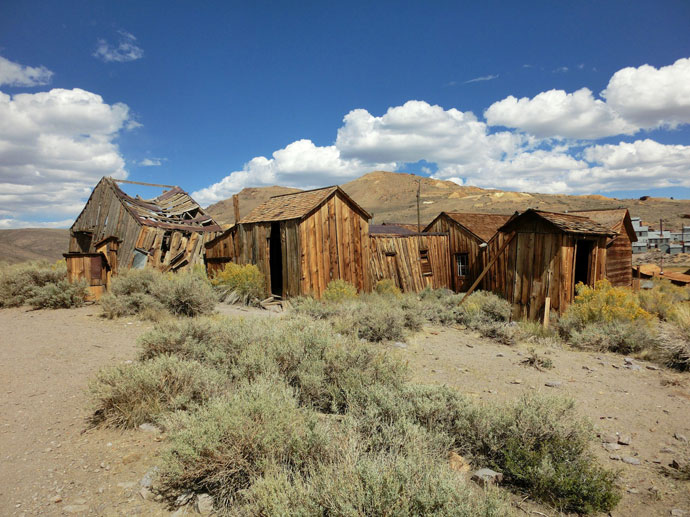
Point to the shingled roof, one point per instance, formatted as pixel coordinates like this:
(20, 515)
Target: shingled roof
(174, 209)
(482, 226)
(296, 205)
(612, 218)
(566, 222)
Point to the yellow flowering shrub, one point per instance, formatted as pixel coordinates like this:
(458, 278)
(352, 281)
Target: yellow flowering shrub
(237, 283)
(605, 303)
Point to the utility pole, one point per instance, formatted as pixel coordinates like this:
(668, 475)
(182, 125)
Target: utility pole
(419, 217)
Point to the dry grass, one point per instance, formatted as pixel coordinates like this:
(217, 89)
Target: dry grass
(41, 285)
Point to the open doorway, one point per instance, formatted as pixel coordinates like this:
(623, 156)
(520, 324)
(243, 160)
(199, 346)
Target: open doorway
(276, 260)
(583, 261)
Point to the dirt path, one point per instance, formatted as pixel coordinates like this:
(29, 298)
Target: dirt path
(646, 404)
(49, 464)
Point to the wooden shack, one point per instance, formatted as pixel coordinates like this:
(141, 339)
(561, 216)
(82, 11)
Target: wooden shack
(538, 257)
(412, 260)
(619, 246)
(469, 235)
(300, 242)
(166, 232)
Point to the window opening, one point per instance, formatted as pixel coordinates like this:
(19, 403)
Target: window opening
(426, 265)
(461, 262)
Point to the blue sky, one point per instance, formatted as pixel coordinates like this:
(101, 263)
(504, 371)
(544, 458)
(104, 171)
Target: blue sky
(229, 94)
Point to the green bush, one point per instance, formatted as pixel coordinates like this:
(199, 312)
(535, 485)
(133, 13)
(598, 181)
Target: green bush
(132, 394)
(387, 287)
(339, 290)
(41, 285)
(233, 441)
(378, 485)
(237, 283)
(148, 293)
(624, 337)
(663, 298)
(185, 294)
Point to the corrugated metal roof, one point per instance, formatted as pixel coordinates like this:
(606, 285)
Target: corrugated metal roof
(483, 226)
(295, 206)
(174, 209)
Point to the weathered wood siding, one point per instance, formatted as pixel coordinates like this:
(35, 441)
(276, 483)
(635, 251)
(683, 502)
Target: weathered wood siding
(521, 273)
(92, 267)
(619, 260)
(104, 216)
(397, 257)
(460, 241)
(330, 243)
(334, 244)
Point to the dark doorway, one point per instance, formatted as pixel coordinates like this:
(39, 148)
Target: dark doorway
(583, 257)
(276, 260)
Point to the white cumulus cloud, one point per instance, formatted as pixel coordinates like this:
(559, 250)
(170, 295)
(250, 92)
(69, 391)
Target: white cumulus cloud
(300, 164)
(151, 162)
(635, 99)
(652, 97)
(126, 49)
(14, 74)
(557, 114)
(54, 147)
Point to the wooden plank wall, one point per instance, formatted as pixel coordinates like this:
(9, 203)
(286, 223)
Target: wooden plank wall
(521, 274)
(397, 257)
(461, 242)
(619, 261)
(334, 244)
(104, 216)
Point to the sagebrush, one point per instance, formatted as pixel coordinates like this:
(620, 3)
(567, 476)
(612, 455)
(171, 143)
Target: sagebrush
(237, 283)
(40, 285)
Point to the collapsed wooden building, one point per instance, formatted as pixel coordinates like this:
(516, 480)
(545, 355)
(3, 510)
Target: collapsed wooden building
(115, 231)
(468, 238)
(413, 261)
(619, 246)
(537, 258)
(300, 242)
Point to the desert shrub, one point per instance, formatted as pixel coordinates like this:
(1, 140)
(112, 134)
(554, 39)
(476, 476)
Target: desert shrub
(132, 394)
(663, 298)
(539, 444)
(148, 293)
(387, 287)
(324, 367)
(60, 295)
(339, 290)
(624, 337)
(602, 303)
(227, 445)
(372, 485)
(542, 447)
(484, 305)
(185, 294)
(680, 316)
(240, 283)
(674, 347)
(41, 285)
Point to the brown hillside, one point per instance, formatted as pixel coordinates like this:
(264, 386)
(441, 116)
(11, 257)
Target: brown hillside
(391, 196)
(33, 244)
(250, 198)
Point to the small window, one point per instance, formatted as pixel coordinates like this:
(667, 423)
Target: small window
(461, 262)
(426, 265)
(140, 258)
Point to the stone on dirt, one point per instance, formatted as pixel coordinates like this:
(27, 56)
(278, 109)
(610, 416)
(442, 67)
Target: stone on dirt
(680, 437)
(553, 384)
(486, 477)
(148, 478)
(611, 446)
(624, 439)
(204, 504)
(149, 428)
(630, 460)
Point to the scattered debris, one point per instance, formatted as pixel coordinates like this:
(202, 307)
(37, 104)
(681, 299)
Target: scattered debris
(486, 477)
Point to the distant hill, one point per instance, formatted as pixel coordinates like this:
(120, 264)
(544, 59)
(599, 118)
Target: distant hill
(33, 244)
(391, 197)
